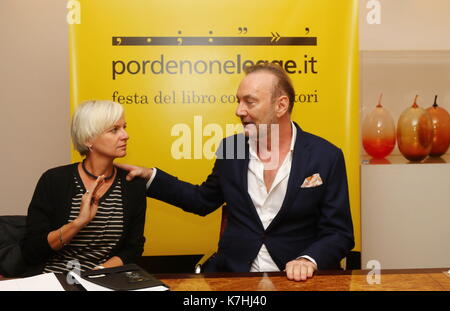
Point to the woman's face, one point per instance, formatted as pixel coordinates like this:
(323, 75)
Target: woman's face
(113, 142)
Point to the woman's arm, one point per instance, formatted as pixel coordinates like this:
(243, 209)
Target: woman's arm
(112, 262)
(88, 209)
(59, 238)
(34, 246)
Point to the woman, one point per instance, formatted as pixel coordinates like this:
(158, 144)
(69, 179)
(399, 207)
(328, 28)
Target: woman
(87, 214)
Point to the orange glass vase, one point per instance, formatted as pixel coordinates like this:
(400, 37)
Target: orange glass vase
(415, 133)
(378, 132)
(441, 129)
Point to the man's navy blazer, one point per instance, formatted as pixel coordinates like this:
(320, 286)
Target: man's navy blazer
(313, 221)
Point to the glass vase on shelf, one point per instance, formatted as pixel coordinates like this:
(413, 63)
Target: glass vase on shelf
(441, 129)
(378, 132)
(415, 133)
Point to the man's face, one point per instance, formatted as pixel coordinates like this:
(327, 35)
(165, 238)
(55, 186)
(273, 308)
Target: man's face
(255, 105)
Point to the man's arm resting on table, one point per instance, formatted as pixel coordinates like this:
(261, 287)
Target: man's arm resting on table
(301, 269)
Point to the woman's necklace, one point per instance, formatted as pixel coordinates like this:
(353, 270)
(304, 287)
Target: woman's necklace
(95, 177)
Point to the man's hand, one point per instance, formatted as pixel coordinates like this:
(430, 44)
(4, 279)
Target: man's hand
(300, 269)
(136, 171)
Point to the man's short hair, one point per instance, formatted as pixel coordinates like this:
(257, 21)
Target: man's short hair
(92, 118)
(282, 87)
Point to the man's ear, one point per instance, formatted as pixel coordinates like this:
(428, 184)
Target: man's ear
(282, 106)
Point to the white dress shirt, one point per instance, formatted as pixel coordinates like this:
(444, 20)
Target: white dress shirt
(267, 204)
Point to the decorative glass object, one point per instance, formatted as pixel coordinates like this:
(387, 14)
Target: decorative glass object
(378, 132)
(441, 129)
(379, 161)
(415, 133)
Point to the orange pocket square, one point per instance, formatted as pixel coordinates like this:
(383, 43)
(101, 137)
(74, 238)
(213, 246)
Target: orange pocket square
(312, 181)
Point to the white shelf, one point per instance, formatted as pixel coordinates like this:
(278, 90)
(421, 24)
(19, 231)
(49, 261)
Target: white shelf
(399, 159)
(405, 215)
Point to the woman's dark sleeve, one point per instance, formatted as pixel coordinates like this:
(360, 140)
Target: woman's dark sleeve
(133, 244)
(35, 248)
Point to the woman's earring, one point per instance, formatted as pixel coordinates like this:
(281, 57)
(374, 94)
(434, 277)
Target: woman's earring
(90, 148)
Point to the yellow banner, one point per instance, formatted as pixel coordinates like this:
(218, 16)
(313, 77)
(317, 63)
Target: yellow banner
(176, 65)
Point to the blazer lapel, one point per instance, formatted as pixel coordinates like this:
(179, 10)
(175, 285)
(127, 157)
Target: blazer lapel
(300, 160)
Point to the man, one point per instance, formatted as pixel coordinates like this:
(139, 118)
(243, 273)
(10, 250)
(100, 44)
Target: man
(287, 200)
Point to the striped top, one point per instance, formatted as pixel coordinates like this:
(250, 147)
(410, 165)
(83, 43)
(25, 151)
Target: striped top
(93, 244)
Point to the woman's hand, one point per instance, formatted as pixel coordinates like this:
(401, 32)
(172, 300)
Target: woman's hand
(88, 208)
(89, 203)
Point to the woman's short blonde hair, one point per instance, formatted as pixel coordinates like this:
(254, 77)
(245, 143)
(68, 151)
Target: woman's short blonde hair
(92, 118)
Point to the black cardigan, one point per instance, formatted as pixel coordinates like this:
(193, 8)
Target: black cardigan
(50, 208)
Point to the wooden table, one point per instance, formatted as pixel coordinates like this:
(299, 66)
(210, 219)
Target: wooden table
(353, 280)
(356, 280)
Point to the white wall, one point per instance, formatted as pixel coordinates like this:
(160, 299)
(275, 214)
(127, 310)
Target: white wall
(34, 96)
(407, 25)
(405, 212)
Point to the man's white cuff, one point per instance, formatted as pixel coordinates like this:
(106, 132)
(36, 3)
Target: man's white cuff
(309, 258)
(149, 182)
